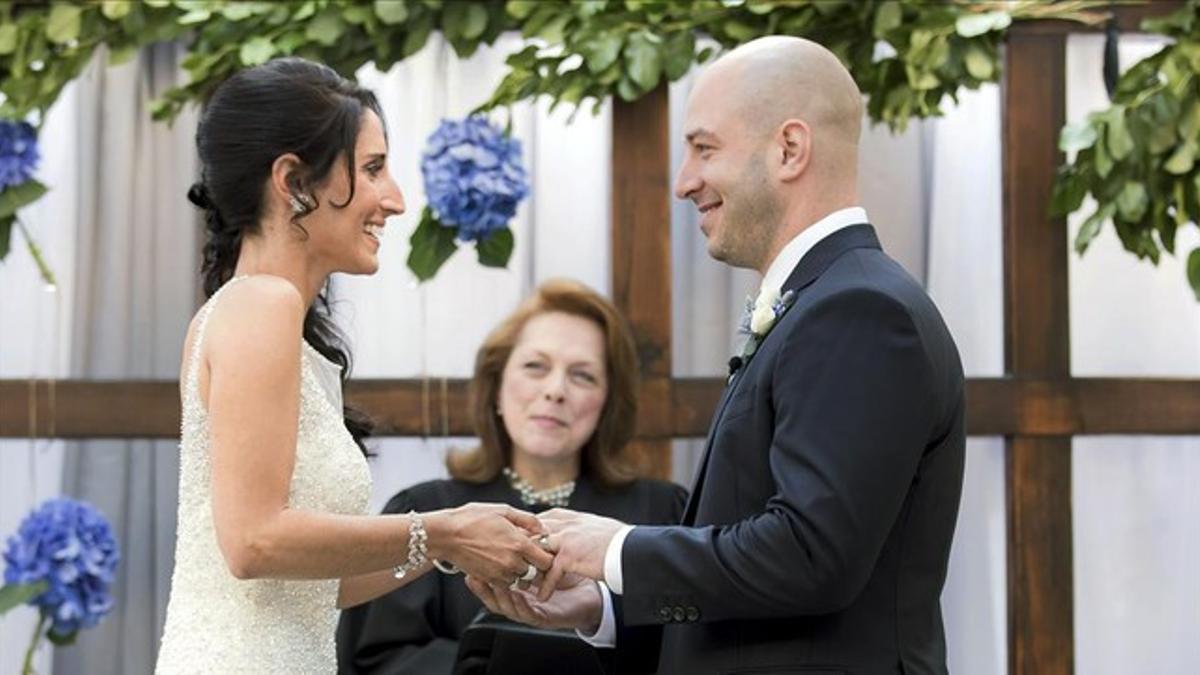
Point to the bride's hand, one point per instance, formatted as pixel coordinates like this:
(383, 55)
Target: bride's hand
(492, 542)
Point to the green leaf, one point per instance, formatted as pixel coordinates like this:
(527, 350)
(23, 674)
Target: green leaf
(1120, 143)
(1193, 271)
(602, 51)
(476, 21)
(326, 28)
(1069, 191)
(740, 31)
(418, 35)
(1091, 227)
(464, 20)
(1104, 163)
(237, 11)
(6, 227)
(256, 50)
(15, 595)
(979, 64)
(1189, 124)
(976, 24)
(62, 640)
(920, 80)
(114, 10)
(496, 249)
(8, 38)
(521, 9)
(681, 49)
(1132, 201)
(643, 62)
(1076, 137)
(123, 54)
(1183, 159)
(432, 245)
(391, 12)
(887, 18)
(553, 31)
(15, 197)
(194, 17)
(64, 23)
(627, 90)
(306, 10)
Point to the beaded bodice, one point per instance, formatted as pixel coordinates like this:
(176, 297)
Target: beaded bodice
(217, 623)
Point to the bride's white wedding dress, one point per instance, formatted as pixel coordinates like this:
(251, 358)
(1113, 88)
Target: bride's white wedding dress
(217, 623)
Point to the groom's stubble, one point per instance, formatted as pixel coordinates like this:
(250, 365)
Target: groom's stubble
(753, 215)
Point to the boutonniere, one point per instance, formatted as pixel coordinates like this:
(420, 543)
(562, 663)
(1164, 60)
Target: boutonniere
(762, 313)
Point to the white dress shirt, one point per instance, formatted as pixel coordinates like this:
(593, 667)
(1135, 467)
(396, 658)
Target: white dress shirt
(777, 273)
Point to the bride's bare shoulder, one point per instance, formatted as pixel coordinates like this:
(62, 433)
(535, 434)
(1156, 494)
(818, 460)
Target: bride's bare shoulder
(260, 313)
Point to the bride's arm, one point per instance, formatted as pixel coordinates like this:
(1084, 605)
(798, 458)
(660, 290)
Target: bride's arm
(253, 397)
(366, 587)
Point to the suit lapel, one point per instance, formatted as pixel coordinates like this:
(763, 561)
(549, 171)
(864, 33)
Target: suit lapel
(809, 269)
(689, 511)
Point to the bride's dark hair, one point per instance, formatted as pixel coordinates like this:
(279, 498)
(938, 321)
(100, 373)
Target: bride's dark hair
(283, 106)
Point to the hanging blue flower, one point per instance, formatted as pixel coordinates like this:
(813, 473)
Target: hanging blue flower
(65, 552)
(19, 157)
(19, 154)
(474, 180)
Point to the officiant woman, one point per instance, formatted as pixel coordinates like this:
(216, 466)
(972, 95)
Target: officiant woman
(553, 402)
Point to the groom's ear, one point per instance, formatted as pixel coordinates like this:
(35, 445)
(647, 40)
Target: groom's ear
(793, 148)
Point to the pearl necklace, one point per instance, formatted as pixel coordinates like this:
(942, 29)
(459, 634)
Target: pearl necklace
(555, 496)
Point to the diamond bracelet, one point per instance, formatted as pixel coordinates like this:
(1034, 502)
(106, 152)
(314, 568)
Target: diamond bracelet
(417, 546)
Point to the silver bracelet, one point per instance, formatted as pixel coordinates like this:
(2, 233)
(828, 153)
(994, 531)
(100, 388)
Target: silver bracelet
(446, 567)
(417, 546)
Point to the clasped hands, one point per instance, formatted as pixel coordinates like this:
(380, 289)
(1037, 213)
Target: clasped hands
(562, 594)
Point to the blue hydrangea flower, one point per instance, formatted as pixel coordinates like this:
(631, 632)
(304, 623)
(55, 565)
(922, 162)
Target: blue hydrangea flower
(18, 153)
(70, 546)
(474, 177)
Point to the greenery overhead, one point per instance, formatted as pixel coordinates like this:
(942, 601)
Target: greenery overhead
(908, 56)
(1140, 158)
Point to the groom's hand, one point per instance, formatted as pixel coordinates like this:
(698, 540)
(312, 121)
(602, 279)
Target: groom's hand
(579, 542)
(576, 603)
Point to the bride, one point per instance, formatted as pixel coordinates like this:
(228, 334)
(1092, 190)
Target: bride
(272, 539)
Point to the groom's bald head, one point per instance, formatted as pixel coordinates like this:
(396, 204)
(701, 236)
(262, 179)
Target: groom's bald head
(773, 79)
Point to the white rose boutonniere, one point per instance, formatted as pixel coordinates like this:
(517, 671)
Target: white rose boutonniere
(761, 315)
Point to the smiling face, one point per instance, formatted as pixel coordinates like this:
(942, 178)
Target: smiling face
(347, 239)
(725, 173)
(554, 386)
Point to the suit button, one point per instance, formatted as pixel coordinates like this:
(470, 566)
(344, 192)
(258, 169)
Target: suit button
(664, 613)
(679, 615)
(693, 614)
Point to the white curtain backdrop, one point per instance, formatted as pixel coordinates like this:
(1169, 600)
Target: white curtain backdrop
(937, 208)
(35, 330)
(1136, 499)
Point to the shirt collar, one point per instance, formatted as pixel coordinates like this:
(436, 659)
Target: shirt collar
(790, 256)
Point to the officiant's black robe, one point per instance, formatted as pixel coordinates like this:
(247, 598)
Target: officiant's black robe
(415, 629)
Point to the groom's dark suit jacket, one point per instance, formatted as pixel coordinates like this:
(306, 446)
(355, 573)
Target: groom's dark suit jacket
(817, 534)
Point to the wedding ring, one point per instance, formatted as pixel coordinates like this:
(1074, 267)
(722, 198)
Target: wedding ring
(530, 573)
(544, 541)
(515, 585)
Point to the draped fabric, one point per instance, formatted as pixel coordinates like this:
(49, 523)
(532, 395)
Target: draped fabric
(124, 244)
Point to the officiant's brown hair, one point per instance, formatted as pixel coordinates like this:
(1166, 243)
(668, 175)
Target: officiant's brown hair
(604, 461)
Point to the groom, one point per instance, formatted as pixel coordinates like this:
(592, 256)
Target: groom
(818, 531)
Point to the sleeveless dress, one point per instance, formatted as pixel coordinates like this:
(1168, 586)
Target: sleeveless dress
(217, 623)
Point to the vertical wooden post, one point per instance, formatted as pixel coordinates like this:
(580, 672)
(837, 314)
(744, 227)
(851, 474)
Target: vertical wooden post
(1037, 344)
(641, 255)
